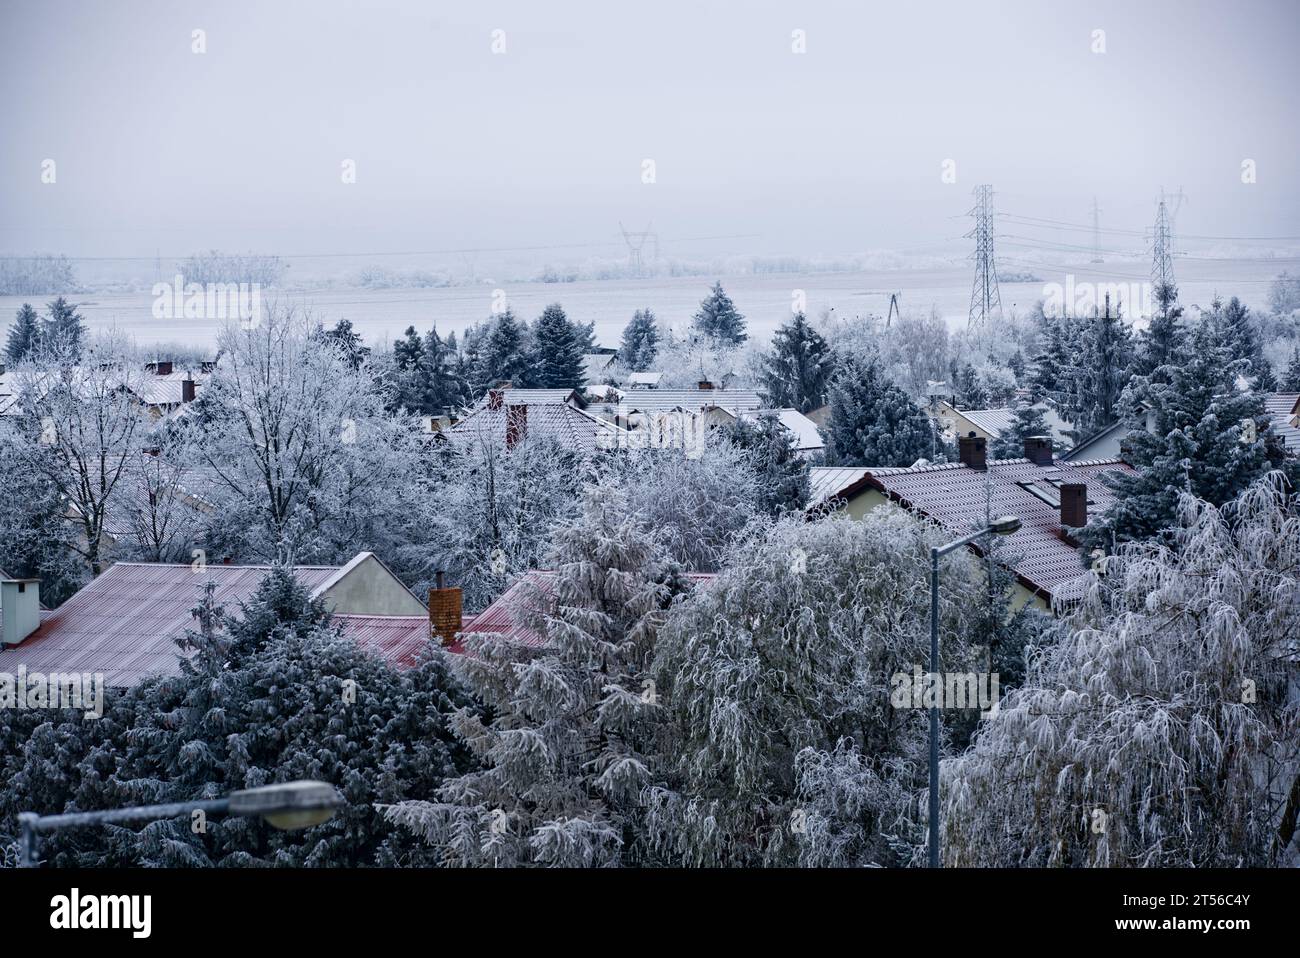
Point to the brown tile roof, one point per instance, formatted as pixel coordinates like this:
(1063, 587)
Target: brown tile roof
(954, 496)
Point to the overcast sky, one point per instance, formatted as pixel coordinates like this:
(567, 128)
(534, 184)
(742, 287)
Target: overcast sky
(835, 150)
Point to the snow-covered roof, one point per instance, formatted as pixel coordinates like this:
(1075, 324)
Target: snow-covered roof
(807, 437)
(1282, 410)
(646, 379)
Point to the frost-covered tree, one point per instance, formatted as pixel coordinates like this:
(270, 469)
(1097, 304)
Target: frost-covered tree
(1029, 419)
(502, 354)
(1161, 730)
(1236, 331)
(484, 514)
(348, 341)
(640, 341)
(63, 329)
(1207, 438)
(300, 449)
(557, 351)
(268, 693)
(82, 429)
(777, 679)
(872, 421)
(36, 538)
(783, 476)
(718, 318)
(1291, 381)
(24, 335)
(1099, 373)
(696, 503)
(1284, 294)
(574, 734)
(798, 368)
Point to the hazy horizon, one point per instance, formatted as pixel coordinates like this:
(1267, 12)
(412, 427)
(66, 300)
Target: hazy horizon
(162, 152)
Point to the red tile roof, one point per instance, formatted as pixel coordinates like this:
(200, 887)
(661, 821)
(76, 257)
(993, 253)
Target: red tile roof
(397, 639)
(125, 623)
(954, 496)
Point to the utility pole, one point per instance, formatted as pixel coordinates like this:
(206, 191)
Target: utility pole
(985, 298)
(1096, 232)
(893, 307)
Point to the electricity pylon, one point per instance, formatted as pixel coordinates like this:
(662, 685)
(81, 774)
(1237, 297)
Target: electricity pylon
(636, 243)
(985, 297)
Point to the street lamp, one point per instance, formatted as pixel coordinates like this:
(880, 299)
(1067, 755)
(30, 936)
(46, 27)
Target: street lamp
(1001, 526)
(288, 806)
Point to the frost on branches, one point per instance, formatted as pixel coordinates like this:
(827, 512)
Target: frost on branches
(777, 681)
(576, 724)
(1161, 730)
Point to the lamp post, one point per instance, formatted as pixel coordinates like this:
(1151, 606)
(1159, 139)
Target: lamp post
(1002, 526)
(288, 806)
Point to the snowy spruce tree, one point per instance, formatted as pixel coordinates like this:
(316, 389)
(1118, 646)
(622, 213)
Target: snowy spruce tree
(1100, 371)
(718, 318)
(872, 421)
(1236, 331)
(777, 679)
(558, 348)
(1029, 419)
(574, 734)
(782, 473)
(1161, 729)
(798, 368)
(24, 335)
(640, 342)
(1291, 381)
(1207, 438)
(502, 354)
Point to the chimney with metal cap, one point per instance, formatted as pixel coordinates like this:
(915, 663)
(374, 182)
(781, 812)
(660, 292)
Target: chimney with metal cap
(1074, 505)
(1038, 450)
(973, 452)
(445, 616)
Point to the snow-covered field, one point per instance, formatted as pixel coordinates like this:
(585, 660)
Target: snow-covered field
(380, 314)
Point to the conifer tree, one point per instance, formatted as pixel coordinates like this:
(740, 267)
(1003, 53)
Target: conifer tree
(1291, 381)
(558, 348)
(503, 353)
(718, 318)
(784, 483)
(1029, 420)
(573, 737)
(797, 370)
(24, 335)
(872, 421)
(640, 341)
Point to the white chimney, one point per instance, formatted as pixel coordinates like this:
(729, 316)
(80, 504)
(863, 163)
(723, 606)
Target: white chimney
(20, 609)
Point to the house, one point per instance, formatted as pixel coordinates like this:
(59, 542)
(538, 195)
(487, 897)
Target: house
(990, 424)
(645, 380)
(596, 367)
(125, 623)
(1049, 495)
(808, 441)
(1282, 409)
(557, 415)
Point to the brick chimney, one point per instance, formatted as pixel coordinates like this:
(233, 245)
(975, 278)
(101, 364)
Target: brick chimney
(973, 452)
(1038, 450)
(516, 424)
(706, 384)
(495, 398)
(162, 367)
(1074, 504)
(187, 390)
(20, 609)
(445, 617)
